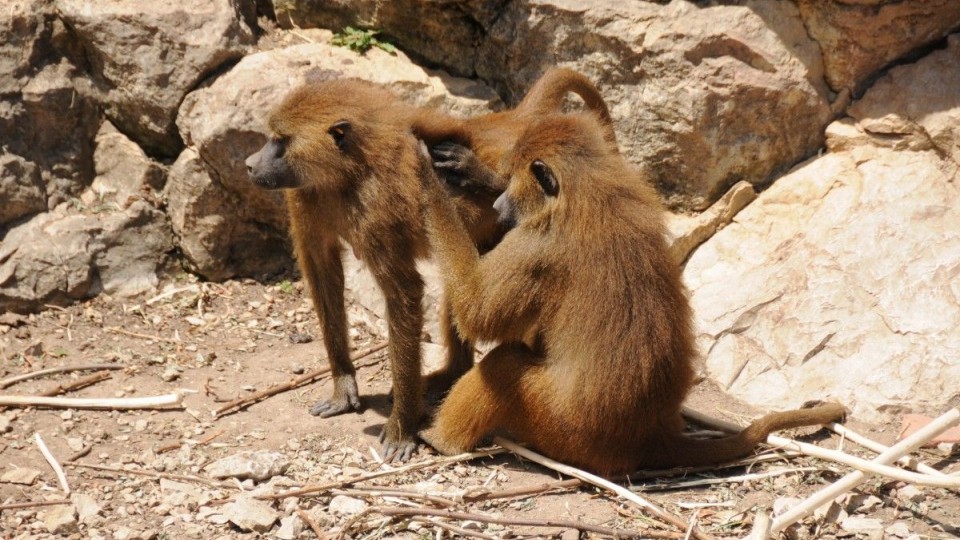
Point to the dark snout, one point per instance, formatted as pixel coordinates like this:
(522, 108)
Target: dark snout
(268, 168)
(506, 212)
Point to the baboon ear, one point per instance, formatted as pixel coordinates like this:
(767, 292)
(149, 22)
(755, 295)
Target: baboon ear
(339, 132)
(545, 177)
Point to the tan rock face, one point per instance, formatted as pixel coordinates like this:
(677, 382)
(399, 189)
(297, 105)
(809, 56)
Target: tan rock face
(841, 280)
(859, 37)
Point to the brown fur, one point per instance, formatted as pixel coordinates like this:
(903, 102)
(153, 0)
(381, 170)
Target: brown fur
(597, 347)
(345, 152)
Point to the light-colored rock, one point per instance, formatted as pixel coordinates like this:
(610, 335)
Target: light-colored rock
(61, 520)
(87, 507)
(250, 514)
(346, 506)
(689, 231)
(255, 465)
(63, 255)
(5, 423)
(123, 170)
(870, 527)
(918, 102)
(837, 282)
(861, 503)
(860, 37)
(147, 56)
(21, 188)
(710, 94)
(177, 494)
(911, 494)
(20, 475)
(898, 530)
(290, 528)
(227, 226)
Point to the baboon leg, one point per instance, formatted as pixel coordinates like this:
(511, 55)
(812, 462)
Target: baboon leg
(322, 267)
(459, 357)
(497, 394)
(402, 288)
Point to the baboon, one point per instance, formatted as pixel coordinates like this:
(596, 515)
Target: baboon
(596, 348)
(345, 154)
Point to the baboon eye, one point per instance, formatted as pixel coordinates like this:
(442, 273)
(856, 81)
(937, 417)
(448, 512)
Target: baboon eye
(546, 179)
(339, 131)
(279, 145)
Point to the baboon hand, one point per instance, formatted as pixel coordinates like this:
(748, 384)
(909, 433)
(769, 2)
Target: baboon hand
(455, 164)
(345, 398)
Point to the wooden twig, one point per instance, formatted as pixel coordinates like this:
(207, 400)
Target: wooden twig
(460, 531)
(312, 523)
(722, 480)
(80, 453)
(849, 481)
(321, 488)
(157, 298)
(168, 476)
(32, 504)
(33, 375)
(483, 518)
(61, 477)
(523, 491)
(653, 509)
(246, 401)
(761, 526)
(151, 402)
(202, 442)
(910, 462)
(393, 492)
(116, 330)
(83, 382)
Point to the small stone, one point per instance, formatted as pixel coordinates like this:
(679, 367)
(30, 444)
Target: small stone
(61, 520)
(140, 425)
(20, 475)
(830, 513)
(783, 504)
(250, 514)
(861, 503)
(87, 507)
(872, 528)
(170, 374)
(300, 337)
(257, 466)
(290, 528)
(75, 443)
(911, 493)
(570, 534)
(347, 506)
(5, 423)
(897, 530)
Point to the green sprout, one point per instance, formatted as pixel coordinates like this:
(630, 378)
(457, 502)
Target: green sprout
(361, 41)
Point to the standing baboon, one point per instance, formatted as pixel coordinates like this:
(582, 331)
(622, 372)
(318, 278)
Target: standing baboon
(594, 324)
(345, 153)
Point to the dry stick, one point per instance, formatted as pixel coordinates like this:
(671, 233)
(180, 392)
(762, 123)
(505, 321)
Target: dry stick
(523, 491)
(202, 442)
(151, 402)
(168, 476)
(393, 492)
(906, 461)
(722, 480)
(907, 445)
(17, 506)
(80, 453)
(467, 516)
(191, 288)
(53, 463)
(116, 330)
(33, 375)
(320, 488)
(761, 526)
(241, 403)
(597, 481)
(82, 382)
(454, 529)
(311, 523)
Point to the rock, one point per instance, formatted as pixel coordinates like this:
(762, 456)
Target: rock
(87, 507)
(21, 188)
(61, 520)
(170, 373)
(858, 38)
(688, 232)
(146, 57)
(861, 503)
(913, 103)
(5, 423)
(21, 475)
(570, 534)
(870, 527)
(177, 494)
(64, 255)
(740, 87)
(898, 530)
(250, 514)
(227, 226)
(290, 528)
(255, 465)
(911, 494)
(346, 506)
(123, 170)
(833, 270)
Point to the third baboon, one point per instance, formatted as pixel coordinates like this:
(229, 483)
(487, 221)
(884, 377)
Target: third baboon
(596, 348)
(345, 154)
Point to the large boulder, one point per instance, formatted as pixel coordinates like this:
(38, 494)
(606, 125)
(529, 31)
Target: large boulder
(227, 226)
(858, 38)
(123, 170)
(66, 255)
(146, 56)
(708, 95)
(840, 281)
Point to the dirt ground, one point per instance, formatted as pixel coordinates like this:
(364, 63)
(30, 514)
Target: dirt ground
(224, 341)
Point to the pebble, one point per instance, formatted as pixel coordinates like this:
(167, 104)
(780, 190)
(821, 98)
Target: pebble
(255, 465)
(872, 528)
(897, 530)
(570, 534)
(21, 475)
(61, 519)
(250, 514)
(911, 493)
(290, 528)
(87, 507)
(5, 423)
(347, 506)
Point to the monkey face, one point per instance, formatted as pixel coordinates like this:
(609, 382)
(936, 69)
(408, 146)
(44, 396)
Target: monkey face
(530, 196)
(268, 168)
